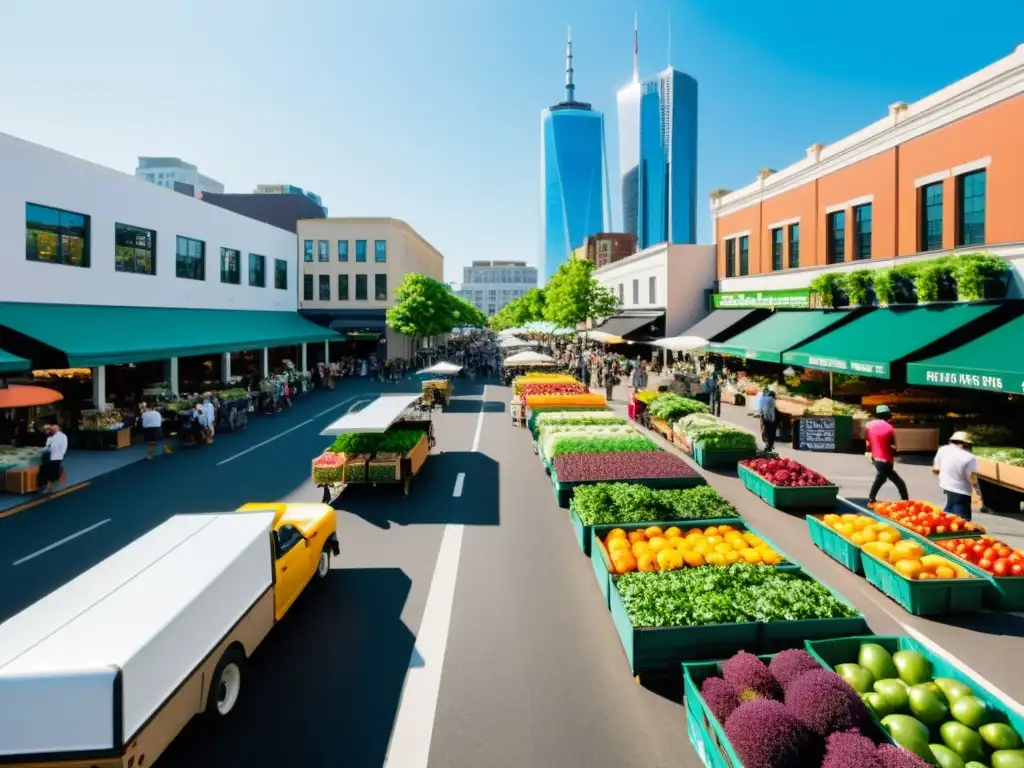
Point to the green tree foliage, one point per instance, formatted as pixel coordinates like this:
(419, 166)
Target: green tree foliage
(424, 308)
(574, 296)
(528, 308)
(467, 315)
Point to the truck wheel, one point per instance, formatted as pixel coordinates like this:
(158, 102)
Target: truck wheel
(226, 686)
(323, 565)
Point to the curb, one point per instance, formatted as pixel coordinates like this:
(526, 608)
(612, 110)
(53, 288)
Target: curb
(40, 500)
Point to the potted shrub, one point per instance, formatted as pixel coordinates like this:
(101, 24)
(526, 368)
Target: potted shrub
(858, 289)
(935, 281)
(980, 276)
(904, 283)
(829, 289)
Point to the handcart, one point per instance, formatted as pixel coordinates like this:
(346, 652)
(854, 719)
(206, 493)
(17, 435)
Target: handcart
(438, 382)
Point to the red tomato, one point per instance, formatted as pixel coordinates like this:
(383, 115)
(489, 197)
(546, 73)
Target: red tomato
(989, 554)
(969, 556)
(977, 550)
(1001, 567)
(1003, 551)
(985, 564)
(1016, 557)
(1016, 569)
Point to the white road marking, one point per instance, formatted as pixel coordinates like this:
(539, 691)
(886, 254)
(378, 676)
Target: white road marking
(460, 480)
(63, 541)
(252, 448)
(414, 723)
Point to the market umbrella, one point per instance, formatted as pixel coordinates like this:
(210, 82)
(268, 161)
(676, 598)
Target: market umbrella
(23, 396)
(604, 338)
(681, 343)
(514, 341)
(529, 358)
(441, 369)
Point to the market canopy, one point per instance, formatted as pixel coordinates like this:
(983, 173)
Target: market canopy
(628, 322)
(681, 343)
(722, 322)
(870, 344)
(992, 362)
(93, 335)
(514, 341)
(604, 338)
(781, 331)
(529, 358)
(441, 369)
(377, 417)
(12, 363)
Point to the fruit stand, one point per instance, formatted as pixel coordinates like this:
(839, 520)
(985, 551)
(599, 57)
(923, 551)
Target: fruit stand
(437, 383)
(385, 443)
(787, 484)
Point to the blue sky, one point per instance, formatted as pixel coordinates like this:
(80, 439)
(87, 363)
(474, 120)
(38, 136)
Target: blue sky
(429, 110)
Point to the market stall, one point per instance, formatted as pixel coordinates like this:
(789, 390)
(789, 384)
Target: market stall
(437, 382)
(385, 443)
(19, 464)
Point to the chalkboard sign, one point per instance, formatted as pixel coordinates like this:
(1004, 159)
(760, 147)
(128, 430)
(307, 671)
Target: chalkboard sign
(815, 433)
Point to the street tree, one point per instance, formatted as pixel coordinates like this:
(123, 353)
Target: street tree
(574, 296)
(467, 315)
(423, 308)
(527, 308)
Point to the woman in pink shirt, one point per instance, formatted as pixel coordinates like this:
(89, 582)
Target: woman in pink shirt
(881, 439)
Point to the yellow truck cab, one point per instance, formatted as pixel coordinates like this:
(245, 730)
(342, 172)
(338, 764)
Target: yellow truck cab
(107, 670)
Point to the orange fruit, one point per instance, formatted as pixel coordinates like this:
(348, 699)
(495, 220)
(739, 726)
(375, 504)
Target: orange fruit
(615, 533)
(624, 562)
(635, 536)
(691, 558)
(711, 530)
(716, 558)
(673, 532)
(910, 569)
(752, 556)
(669, 560)
(654, 531)
(676, 542)
(618, 545)
(732, 557)
(657, 543)
(640, 548)
(945, 572)
(725, 528)
(647, 562)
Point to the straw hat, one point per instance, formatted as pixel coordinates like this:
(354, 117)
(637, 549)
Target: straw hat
(961, 437)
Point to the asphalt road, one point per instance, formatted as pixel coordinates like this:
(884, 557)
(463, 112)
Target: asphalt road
(471, 595)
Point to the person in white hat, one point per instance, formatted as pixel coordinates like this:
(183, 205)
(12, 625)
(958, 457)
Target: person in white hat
(957, 468)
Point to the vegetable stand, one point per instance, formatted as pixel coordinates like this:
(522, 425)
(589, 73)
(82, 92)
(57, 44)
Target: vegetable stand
(437, 383)
(787, 484)
(385, 443)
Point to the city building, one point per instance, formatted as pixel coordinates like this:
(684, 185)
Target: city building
(667, 180)
(350, 270)
(939, 176)
(606, 248)
(282, 211)
(662, 290)
(628, 100)
(490, 285)
(102, 270)
(575, 199)
(174, 173)
(289, 189)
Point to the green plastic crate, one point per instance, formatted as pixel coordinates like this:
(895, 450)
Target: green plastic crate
(719, 459)
(582, 531)
(820, 496)
(932, 597)
(836, 546)
(602, 565)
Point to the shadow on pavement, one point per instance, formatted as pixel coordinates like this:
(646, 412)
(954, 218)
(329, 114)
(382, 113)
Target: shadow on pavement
(989, 622)
(458, 405)
(324, 688)
(431, 499)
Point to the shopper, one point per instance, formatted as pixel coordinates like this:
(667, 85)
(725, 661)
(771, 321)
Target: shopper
(714, 390)
(209, 420)
(153, 430)
(639, 377)
(881, 439)
(957, 468)
(769, 419)
(51, 472)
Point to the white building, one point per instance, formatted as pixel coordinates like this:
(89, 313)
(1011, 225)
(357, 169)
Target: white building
(490, 285)
(171, 171)
(98, 268)
(662, 291)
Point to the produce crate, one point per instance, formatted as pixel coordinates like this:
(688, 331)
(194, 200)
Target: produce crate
(662, 427)
(788, 498)
(583, 532)
(718, 459)
(931, 597)
(418, 455)
(684, 443)
(903, 529)
(602, 565)
(835, 545)
(564, 491)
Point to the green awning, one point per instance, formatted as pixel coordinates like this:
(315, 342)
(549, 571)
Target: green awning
(869, 345)
(93, 335)
(12, 363)
(991, 362)
(778, 332)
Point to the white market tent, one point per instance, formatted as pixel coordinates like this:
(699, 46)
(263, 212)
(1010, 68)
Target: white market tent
(682, 343)
(514, 341)
(510, 332)
(374, 418)
(443, 368)
(604, 338)
(529, 358)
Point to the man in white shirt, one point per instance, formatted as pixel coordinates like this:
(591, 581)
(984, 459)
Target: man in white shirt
(152, 430)
(52, 469)
(957, 468)
(209, 418)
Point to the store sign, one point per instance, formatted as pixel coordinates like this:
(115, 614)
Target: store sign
(852, 367)
(797, 298)
(917, 375)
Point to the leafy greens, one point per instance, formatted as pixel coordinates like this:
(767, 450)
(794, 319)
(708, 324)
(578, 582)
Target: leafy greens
(623, 503)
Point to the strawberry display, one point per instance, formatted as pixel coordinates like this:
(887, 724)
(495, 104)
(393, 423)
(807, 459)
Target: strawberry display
(785, 473)
(923, 518)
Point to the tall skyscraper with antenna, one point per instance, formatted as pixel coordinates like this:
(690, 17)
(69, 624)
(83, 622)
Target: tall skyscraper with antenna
(575, 201)
(628, 100)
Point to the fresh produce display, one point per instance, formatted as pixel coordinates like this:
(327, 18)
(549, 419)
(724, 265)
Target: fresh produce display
(939, 719)
(552, 388)
(655, 549)
(393, 441)
(399, 441)
(19, 458)
(1012, 456)
(989, 554)
(724, 438)
(579, 400)
(328, 469)
(579, 417)
(551, 435)
(923, 518)
(355, 472)
(785, 473)
(906, 556)
(579, 467)
(647, 396)
(827, 407)
(601, 444)
(694, 423)
(670, 406)
(382, 473)
(734, 593)
(624, 503)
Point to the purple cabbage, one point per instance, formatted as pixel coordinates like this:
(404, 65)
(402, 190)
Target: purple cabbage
(720, 697)
(849, 749)
(891, 756)
(825, 703)
(750, 678)
(765, 735)
(789, 665)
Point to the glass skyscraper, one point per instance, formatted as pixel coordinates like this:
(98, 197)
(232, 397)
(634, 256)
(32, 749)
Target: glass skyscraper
(575, 201)
(667, 179)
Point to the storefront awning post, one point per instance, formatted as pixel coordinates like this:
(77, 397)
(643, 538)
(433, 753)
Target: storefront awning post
(266, 362)
(99, 387)
(172, 376)
(327, 352)
(305, 358)
(225, 367)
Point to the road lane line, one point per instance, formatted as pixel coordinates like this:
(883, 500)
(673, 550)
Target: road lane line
(252, 448)
(414, 723)
(460, 480)
(63, 541)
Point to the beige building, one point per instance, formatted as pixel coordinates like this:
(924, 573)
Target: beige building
(350, 268)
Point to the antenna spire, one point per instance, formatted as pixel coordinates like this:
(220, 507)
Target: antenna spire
(670, 38)
(636, 49)
(570, 88)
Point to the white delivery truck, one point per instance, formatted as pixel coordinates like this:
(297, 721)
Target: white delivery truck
(108, 669)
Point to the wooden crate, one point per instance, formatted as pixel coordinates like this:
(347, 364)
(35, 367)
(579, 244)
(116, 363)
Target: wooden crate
(22, 481)
(1011, 475)
(988, 469)
(419, 454)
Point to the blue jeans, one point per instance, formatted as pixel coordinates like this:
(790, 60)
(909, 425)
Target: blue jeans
(958, 504)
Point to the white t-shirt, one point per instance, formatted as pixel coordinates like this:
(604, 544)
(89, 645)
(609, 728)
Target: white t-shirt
(955, 466)
(152, 419)
(57, 444)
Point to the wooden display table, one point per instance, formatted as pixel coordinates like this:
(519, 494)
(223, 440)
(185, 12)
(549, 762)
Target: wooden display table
(25, 481)
(1004, 474)
(917, 439)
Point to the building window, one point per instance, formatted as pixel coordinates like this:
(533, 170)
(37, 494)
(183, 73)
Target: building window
(361, 282)
(281, 274)
(380, 287)
(342, 287)
(343, 250)
(862, 232)
(360, 250)
(636, 292)
(622, 293)
(777, 249)
(307, 250)
(257, 270)
(323, 250)
(931, 217)
(190, 259)
(307, 287)
(730, 258)
(380, 251)
(970, 194)
(652, 290)
(229, 266)
(836, 242)
(491, 309)
(492, 295)
(55, 236)
(745, 255)
(134, 249)
(325, 287)
(794, 246)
